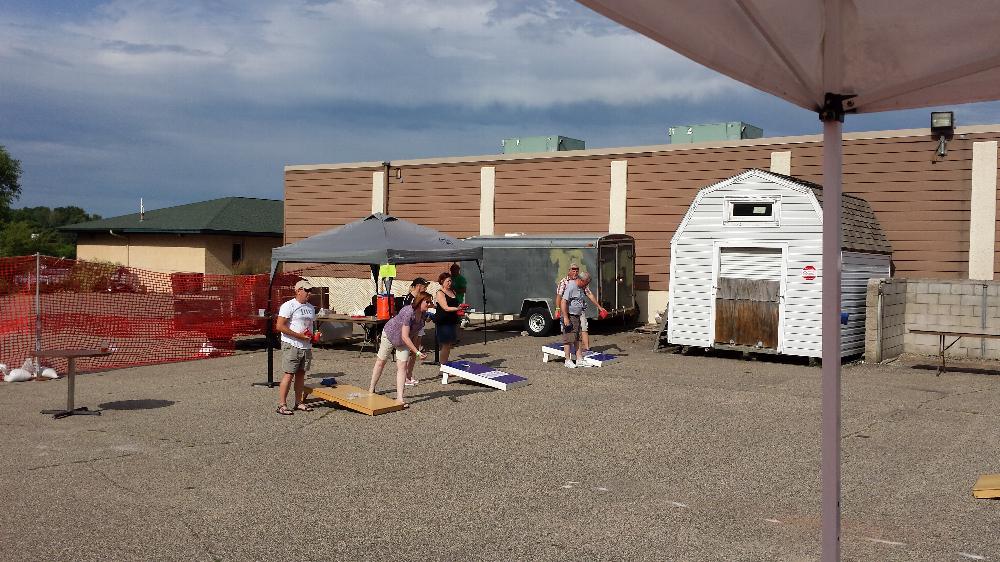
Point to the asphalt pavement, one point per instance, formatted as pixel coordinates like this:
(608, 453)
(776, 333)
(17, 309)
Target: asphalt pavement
(656, 456)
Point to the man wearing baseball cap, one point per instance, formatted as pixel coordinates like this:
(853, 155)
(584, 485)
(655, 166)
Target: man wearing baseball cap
(572, 275)
(295, 322)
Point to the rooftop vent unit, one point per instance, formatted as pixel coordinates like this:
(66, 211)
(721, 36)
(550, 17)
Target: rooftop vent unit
(550, 143)
(732, 130)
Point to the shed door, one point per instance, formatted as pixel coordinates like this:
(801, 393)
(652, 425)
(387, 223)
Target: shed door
(748, 296)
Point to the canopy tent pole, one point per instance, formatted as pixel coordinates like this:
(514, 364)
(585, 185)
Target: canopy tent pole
(832, 117)
(482, 281)
(269, 332)
(375, 276)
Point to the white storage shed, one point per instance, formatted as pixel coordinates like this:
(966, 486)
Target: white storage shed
(746, 267)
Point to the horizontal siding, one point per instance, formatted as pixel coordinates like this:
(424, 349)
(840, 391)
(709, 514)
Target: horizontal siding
(857, 270)
(553, 196)
(318, 200)
(921, 201)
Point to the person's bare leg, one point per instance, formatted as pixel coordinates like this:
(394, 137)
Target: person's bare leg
(376, 373)
(286, 382)
(400, 379)
(586, 340)
(445, 351)
(409, 366)
(300, 386)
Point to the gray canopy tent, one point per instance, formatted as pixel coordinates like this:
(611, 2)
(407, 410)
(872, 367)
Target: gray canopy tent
(374, 240)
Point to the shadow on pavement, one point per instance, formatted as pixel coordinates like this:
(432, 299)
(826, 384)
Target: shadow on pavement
(952, 368)
(143, 404)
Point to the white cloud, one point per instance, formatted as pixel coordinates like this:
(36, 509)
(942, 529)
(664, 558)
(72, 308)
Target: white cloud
(467, 53)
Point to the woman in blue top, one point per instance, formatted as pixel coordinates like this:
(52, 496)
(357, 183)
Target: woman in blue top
(399, 335)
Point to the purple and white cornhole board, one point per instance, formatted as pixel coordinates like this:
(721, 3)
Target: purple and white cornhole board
(594, 357)
(482, 374)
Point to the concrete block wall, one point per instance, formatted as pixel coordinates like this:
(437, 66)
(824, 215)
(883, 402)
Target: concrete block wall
(908, 304)
(885, 321)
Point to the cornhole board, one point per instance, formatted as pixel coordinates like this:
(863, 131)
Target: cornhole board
(987, 487)
(482, 374)
(356, 398)
(556, 349)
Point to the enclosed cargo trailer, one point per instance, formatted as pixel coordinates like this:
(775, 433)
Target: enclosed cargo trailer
(522, 272)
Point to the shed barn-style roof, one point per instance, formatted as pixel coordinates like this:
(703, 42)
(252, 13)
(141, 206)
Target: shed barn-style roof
(229, 215)
(861, 231)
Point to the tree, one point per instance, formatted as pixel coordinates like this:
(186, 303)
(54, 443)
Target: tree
(10, 179)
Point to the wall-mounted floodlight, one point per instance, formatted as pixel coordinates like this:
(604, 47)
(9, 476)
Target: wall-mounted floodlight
(942, 127)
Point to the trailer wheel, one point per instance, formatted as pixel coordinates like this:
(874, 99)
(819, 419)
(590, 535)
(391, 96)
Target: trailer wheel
(538, 322)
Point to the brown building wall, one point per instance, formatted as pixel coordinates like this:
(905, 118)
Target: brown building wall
(921, 200)
(318, 200)
(552, 195)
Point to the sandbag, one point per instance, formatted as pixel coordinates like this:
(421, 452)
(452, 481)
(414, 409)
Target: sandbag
(18, 375)
(48, 373)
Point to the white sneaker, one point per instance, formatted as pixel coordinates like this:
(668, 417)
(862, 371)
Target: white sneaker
(570, 364)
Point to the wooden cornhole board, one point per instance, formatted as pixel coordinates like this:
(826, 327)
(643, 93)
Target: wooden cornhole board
(987, 487)
(356, 398)
(482, 374)
(555, 349)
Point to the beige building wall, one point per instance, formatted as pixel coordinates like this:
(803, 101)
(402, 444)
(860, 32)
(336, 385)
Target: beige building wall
(169, 253)
(256, 253)
(154, 252)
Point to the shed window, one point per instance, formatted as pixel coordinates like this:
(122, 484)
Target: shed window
(237, 252)
(763, 211)
(753, 209)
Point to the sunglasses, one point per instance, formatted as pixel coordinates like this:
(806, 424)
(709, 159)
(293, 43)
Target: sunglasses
(574, 269)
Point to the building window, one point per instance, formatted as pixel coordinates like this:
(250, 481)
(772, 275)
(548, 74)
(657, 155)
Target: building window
(755, 210)
(237, 252)
(762, 211)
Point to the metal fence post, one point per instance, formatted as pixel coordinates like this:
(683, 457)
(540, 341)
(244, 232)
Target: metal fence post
(38, 302)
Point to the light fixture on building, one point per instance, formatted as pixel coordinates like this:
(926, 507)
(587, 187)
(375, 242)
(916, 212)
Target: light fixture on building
(942, 127)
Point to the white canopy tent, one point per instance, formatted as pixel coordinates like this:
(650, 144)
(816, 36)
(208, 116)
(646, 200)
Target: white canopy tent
(833, 57)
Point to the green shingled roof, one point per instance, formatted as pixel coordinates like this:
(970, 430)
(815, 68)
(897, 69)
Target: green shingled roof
(237, 215)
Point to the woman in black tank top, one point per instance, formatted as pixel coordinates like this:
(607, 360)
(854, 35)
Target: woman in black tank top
(446, 316)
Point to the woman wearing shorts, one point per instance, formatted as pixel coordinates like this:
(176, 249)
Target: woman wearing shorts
(398, 336)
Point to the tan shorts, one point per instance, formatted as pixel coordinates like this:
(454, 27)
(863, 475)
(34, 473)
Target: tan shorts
(295, 359)
(385, 347)
(571, 335)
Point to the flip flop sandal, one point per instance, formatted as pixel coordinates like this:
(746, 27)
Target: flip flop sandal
(283, 410)
(303, 408)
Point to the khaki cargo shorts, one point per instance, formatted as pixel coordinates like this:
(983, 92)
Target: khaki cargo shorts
(295, 359)
(571, 334)
(385, 348)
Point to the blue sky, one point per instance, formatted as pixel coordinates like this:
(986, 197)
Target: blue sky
(105, 102)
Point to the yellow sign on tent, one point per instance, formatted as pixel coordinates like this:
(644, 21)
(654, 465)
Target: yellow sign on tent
(387, 270)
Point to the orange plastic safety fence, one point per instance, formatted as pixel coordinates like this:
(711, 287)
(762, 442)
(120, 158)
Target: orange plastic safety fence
(144, 317)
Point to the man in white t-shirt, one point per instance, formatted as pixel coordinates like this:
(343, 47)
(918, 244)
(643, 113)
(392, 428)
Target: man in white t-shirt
(295, 322)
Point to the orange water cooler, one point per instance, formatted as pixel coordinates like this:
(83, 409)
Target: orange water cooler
(385, 307)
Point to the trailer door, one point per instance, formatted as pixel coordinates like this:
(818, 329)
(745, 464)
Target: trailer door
(607, 256)
(617, 270)
(626, 276)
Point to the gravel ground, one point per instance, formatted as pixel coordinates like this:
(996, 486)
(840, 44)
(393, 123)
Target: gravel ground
(658, 456)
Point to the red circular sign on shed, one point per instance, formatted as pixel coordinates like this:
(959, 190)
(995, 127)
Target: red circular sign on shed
(809, 272)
